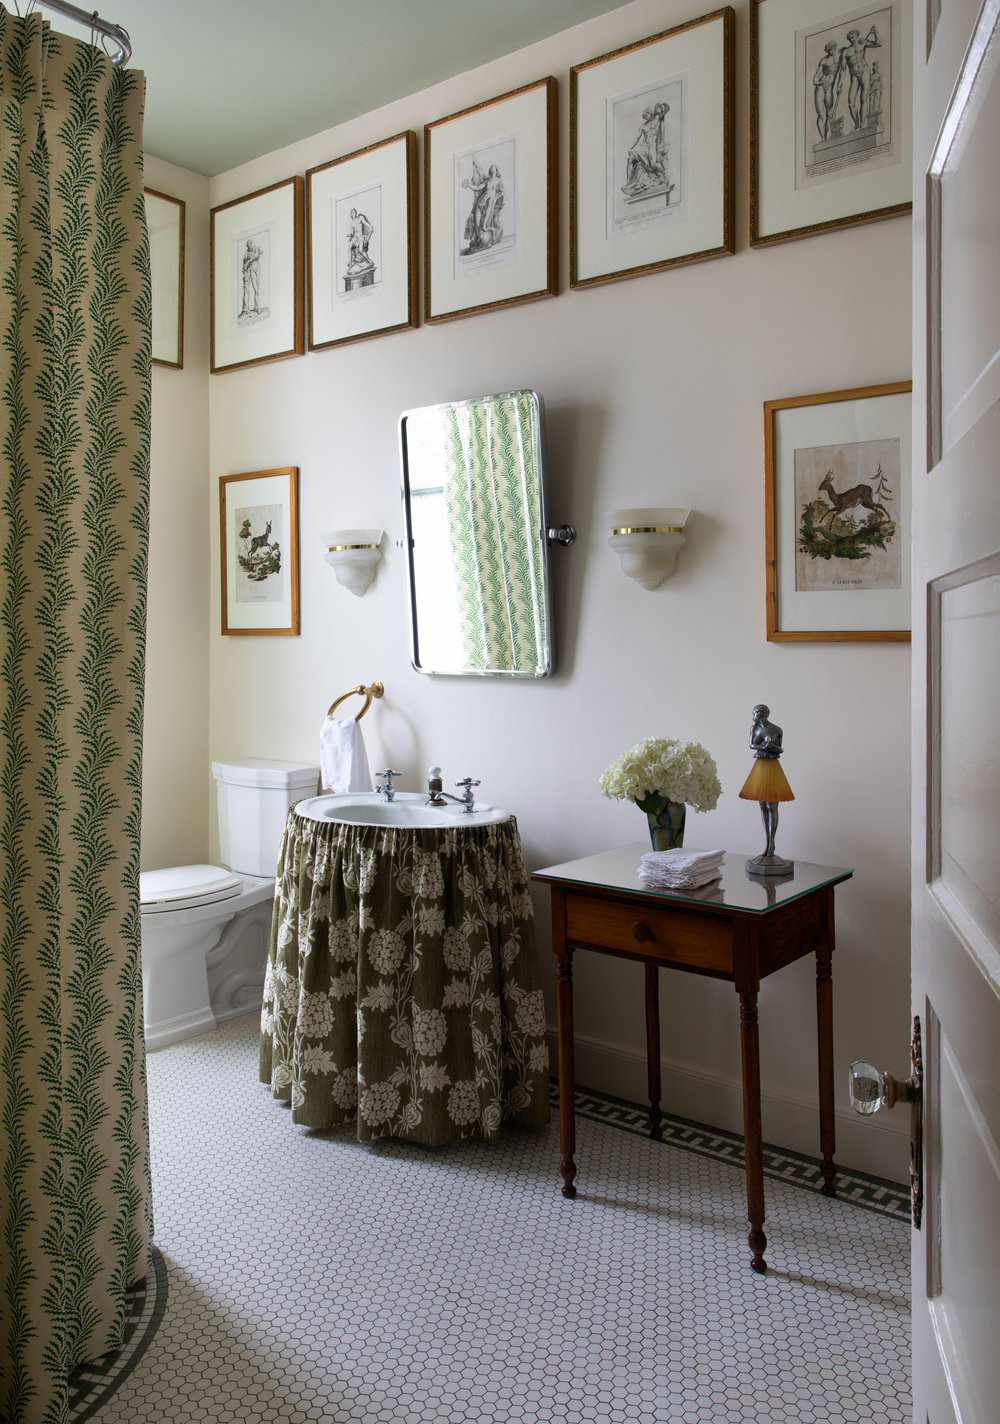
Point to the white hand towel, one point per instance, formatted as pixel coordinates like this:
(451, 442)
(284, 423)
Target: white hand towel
(342, 756)
(680, 869)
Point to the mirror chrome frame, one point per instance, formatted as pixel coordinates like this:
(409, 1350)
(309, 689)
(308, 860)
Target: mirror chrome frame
(543, 535)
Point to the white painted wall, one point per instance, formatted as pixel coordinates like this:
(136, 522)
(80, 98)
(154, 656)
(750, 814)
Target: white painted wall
(175, 750)
(653, 389)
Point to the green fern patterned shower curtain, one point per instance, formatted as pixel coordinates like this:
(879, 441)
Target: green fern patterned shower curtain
(74, 481)
(493, 503)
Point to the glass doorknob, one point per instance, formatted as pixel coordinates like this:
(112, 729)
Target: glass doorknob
(870, 1091)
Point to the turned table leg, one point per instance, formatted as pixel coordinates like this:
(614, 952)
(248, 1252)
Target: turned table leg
(564, 1035)
(750, 1046)
(653, 1048)
(824, 1026)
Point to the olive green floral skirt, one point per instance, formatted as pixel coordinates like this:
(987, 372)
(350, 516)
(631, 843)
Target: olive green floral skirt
(401, 990)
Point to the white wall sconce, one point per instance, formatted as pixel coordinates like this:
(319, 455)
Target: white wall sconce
(354, 555)
(648, 541)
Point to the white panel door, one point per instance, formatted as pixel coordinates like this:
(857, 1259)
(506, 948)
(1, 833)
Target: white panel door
(956, 706)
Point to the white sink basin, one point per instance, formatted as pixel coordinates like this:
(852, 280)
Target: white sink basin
(409, 811)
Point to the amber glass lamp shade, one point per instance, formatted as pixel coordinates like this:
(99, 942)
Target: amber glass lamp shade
(767, 782)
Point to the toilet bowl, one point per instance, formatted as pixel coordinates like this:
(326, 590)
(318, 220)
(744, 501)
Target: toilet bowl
(184, 911)
(187, 909)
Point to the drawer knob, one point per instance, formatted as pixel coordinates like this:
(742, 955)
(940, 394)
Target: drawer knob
(642, 932)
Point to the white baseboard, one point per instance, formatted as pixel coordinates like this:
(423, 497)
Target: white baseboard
(239, 1011)
(866, 1145)
(167, 1031)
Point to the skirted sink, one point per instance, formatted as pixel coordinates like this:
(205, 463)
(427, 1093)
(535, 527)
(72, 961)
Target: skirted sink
(402, 992)
(409, 811)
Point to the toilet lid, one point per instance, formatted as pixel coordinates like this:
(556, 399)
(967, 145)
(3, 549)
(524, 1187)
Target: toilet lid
(181, 887)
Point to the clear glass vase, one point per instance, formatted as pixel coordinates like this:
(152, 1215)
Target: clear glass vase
(666, 826)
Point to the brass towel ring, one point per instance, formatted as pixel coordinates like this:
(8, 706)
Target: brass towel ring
(373, 690)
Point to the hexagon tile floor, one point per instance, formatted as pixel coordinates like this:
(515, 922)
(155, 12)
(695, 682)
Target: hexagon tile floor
(315, 1279)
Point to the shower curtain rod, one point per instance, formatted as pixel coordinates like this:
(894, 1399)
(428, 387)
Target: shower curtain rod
(117, 34)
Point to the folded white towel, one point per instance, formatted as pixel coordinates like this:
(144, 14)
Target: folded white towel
(666, 882)
(342, 756)
(679, 862)
(680, 869)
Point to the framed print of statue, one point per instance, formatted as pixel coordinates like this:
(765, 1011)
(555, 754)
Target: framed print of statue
(837, 516)
(831, 91)
(257, 277)
(165, 222)
(490, 228)
(259, 552)
(651, 153)
(361, 243)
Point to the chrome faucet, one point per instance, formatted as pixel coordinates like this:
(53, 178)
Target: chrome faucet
(436, 796)
(384, 787)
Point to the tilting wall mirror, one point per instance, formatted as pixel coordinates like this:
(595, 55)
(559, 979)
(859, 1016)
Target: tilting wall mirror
(476, 534)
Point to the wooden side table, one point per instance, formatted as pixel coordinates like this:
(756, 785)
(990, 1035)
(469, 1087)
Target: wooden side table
(741, 929)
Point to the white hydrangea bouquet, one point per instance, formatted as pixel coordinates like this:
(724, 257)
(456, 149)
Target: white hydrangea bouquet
(663, 777)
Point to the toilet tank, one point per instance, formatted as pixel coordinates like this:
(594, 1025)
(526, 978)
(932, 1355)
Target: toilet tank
(253, 800)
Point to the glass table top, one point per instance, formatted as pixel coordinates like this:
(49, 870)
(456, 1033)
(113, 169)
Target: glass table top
(735, 889)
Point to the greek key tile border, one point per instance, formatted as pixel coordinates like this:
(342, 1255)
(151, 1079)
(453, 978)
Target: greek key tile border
(93, 1384)
(858, 1188)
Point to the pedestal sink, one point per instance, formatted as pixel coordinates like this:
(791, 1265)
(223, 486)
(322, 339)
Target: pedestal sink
(408, 811)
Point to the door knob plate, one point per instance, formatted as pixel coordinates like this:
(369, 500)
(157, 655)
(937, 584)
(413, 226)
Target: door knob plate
(872, 1090)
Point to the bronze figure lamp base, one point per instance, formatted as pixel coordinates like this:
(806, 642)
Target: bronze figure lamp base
(768, 785)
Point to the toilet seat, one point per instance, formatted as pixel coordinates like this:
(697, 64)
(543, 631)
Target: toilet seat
(186, 887)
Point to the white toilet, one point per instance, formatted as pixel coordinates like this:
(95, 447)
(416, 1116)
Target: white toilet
(187, 909)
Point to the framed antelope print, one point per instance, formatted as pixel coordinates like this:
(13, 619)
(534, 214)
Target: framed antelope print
(831, 98)
(651, 153)
(259, 552)
(361, 230)
(837, 516)
(258, 312)
(490, 235)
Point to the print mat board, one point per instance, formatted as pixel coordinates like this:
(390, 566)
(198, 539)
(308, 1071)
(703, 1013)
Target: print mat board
(837, 513)
(259, 551)
(257, 278)
(165, 219)
(361, 229)
(490, 234)
(651, 153)
(830, 105)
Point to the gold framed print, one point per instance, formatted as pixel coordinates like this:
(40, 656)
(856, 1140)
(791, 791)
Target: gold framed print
(257, 277)
(361, 243)
(165, 223)
(831, 132)
(490, 209)
(259, 552)
(837, 516)
(651, 153)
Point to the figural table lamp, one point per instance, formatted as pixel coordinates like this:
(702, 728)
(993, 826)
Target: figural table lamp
(767, 784)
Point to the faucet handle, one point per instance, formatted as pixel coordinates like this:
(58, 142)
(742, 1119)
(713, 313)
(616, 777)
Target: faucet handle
(468, 783)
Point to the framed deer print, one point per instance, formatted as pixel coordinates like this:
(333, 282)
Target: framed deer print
(837, 516)
(258, 311)
(831, 96)
(259, 552)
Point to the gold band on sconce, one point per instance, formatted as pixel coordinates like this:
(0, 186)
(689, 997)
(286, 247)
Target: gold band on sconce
(342, 548)
(649, 529)
(372, 690)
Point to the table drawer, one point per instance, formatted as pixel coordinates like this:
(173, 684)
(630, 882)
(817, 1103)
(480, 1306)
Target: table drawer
(676, 936)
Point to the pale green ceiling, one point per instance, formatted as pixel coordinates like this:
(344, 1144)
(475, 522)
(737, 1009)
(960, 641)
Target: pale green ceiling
(231, 79)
